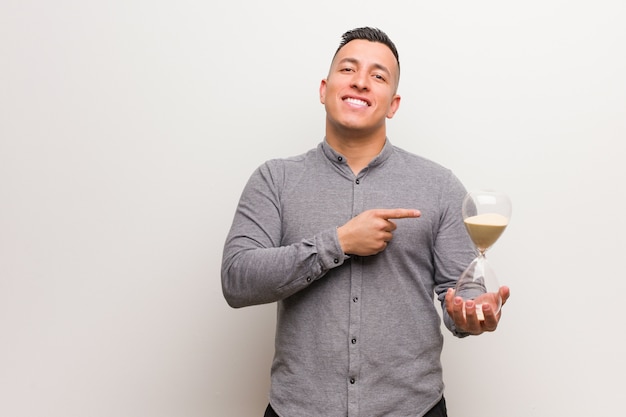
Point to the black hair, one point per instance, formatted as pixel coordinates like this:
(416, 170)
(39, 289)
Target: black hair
(369, 34)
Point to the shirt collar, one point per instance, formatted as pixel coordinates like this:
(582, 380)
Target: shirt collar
(338, 158)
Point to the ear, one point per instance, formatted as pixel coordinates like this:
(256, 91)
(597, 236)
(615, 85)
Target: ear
(323, 91)
(393, 108)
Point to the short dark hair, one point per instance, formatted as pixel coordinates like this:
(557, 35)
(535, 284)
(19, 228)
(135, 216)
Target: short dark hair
(369, 34)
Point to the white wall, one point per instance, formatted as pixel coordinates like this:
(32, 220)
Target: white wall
(128, 129)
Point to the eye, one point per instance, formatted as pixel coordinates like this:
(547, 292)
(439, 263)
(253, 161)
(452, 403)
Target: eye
(346, 69)
(379, 77)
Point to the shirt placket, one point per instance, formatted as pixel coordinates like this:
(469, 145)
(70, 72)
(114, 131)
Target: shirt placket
(356, 280)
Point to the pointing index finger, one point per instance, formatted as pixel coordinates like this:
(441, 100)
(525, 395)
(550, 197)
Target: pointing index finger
(398, 213)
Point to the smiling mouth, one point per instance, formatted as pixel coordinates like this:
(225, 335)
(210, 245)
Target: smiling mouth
(356, 101)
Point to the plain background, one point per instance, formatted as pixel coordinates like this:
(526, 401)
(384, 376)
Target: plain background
(128, 129)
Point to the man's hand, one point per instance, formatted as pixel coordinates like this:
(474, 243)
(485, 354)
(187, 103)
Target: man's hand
(371, 231)
(466, 318)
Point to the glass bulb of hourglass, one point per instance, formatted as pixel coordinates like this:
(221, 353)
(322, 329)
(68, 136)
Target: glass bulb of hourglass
(486, 214)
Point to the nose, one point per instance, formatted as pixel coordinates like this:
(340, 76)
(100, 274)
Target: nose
(360, 81)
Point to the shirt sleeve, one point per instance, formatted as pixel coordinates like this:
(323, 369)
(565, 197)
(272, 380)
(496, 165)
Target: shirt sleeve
(453, 248)
(256, 267)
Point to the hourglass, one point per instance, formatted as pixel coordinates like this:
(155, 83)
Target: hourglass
(486, 214)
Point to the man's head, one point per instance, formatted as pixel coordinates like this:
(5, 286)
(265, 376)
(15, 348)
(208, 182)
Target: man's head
(360, 91)
(372, 35)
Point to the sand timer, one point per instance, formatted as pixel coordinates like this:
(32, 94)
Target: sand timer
(486, 214)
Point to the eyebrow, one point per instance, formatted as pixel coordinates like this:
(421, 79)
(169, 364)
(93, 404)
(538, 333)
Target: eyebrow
(356, 62)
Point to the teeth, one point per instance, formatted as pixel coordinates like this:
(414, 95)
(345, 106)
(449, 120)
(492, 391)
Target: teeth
(356, 101)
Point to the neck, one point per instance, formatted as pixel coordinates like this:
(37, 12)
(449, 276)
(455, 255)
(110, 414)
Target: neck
(359, 150)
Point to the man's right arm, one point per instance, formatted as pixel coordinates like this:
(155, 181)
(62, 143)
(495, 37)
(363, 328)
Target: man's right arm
(256, 267)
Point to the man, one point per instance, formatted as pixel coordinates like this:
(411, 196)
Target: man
(352, 240)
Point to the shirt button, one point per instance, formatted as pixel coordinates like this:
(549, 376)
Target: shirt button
(355, 299)
(358, 181)
(352, 380)
(336, 260)
(340, 158)
(353, 341)
(308, 279)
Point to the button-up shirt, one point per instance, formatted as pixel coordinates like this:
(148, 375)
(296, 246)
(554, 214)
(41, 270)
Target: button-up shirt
(355, 335)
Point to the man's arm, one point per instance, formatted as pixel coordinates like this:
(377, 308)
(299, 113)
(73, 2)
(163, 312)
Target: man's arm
(256, 267)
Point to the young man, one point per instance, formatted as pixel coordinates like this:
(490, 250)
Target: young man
(352, 240)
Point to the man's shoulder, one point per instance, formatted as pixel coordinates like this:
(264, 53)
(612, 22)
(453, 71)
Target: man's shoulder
(418, 161)
(291, 161)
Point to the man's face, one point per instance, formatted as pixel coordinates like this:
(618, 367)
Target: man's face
(360, 91)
